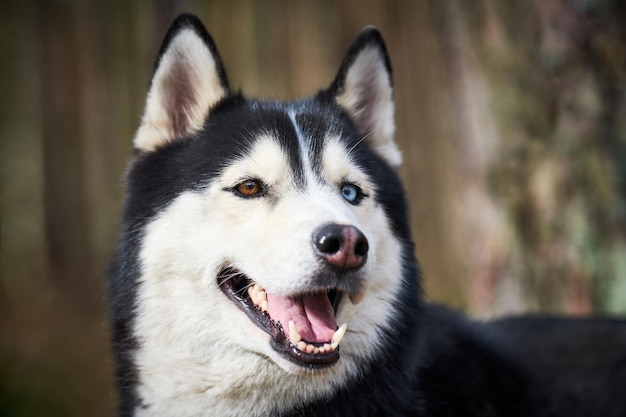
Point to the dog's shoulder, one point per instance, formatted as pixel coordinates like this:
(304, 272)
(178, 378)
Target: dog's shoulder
(520, 366)
(465, 369)
(580, 360)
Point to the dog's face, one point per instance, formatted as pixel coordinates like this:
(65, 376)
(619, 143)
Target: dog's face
(263, 227)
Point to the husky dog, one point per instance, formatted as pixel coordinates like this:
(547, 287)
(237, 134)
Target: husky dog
(265, 267)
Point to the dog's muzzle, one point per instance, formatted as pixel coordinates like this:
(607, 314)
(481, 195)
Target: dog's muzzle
(303, 326)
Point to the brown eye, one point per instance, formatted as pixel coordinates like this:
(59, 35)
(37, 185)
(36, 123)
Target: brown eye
(249, 188)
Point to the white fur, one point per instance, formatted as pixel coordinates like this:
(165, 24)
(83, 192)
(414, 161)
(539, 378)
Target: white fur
(190, 62)
(199, 354)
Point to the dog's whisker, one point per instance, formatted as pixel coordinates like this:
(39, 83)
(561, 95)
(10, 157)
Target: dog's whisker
(349, 151)
(228, 277)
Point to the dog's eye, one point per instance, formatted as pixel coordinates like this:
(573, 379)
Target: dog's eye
(249, 188)
(352, 193)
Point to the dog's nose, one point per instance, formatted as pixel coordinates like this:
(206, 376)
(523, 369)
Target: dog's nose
(341, 246)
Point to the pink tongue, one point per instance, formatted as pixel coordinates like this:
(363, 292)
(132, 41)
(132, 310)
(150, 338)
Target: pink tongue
(312, 314)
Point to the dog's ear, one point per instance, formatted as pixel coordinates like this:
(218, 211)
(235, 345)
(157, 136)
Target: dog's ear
(188, 80)
(364, 88)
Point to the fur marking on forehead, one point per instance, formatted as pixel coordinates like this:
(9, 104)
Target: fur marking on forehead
(305, 143)
(338, 164)
(267, 161)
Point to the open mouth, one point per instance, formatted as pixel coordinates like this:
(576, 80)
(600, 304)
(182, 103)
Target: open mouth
(302, 327)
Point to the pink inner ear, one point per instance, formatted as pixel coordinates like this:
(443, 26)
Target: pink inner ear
(179, 99)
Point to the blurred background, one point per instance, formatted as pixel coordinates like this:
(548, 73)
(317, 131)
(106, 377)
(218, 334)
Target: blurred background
(511, 117)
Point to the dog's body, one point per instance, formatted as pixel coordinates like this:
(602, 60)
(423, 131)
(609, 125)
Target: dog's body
(254, 229)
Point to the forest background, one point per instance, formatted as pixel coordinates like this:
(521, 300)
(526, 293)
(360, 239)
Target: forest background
(511, 116)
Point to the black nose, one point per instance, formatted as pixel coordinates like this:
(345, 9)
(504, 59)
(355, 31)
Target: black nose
(341, 246)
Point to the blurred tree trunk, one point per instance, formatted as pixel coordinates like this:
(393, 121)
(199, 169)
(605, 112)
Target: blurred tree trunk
(65, 205)
(545, 151)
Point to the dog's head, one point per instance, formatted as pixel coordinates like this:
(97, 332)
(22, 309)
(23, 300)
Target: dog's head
(262, 229)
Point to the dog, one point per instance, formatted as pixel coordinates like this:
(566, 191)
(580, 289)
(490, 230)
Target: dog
(265, 267)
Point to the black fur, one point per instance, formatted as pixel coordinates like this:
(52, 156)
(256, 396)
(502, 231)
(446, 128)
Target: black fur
(435, 362)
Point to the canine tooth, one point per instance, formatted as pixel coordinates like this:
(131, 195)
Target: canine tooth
(261, 296)
(294, 335)
(357, 297)
(264, 306)
(341, 331)
(253, 292)
(301, 346)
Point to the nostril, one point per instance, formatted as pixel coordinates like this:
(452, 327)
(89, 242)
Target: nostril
(329, 239)
(361, 247)
(329, 244)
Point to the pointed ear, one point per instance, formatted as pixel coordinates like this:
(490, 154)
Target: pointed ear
(364, 88)
(188, 80)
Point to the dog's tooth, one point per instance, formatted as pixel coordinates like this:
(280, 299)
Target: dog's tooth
(310, 348)
(341, 331)
(327, 347)
(301, 345)
(357, 297)
(264, 306)
(333, 346)
(294, 335)
(253, 292)
(261, 296)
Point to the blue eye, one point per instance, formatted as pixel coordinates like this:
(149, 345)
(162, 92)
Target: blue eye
(351, 193)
